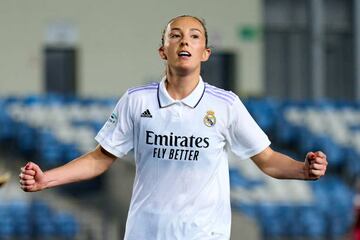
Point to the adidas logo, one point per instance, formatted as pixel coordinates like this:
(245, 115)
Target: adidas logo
(146, 114)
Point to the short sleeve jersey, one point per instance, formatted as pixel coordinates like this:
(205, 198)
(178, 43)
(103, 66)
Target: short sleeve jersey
(181, 188)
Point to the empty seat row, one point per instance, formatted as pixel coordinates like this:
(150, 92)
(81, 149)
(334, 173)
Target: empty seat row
(36, 220)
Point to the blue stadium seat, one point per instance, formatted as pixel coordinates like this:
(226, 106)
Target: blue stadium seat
(7, 227)
(238, 180)
(264, 111)
(312, 221)
(66, 225)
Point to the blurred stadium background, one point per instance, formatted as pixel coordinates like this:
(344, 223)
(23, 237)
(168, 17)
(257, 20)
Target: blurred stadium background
(64, 64)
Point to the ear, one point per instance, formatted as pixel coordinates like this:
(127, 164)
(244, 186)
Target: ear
(162, 53)
(206, 54)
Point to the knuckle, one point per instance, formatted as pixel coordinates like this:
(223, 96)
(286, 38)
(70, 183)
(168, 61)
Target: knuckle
(27, 182)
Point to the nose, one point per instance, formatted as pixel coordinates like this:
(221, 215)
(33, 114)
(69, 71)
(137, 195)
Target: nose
(184, 41)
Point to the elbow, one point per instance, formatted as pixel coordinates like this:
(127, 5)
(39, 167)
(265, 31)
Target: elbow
(102, 161)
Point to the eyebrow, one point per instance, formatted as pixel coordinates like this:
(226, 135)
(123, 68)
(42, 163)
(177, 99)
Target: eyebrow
(191, 29)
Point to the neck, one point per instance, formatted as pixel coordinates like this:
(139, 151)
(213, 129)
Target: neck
(180, 86)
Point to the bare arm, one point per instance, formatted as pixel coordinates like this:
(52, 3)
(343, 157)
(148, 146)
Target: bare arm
(88, 166)
(281, 166)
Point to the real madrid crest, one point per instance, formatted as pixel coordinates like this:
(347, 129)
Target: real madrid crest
(210, 119)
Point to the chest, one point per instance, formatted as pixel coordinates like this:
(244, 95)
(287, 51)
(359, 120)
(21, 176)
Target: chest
(179, 132)
(179, 121)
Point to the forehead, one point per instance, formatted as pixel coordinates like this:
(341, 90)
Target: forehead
(183, 23)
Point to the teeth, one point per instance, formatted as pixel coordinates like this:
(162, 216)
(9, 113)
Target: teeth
(183, 53)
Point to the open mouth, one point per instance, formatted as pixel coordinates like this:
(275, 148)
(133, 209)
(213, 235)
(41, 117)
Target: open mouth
(184, 54)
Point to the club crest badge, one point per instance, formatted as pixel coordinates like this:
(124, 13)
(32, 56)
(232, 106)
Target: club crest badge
(210, 119)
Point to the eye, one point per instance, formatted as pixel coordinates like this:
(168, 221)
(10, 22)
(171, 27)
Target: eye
(174, 35)
(195, 36)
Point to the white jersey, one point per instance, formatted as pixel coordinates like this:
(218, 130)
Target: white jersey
(181, 188)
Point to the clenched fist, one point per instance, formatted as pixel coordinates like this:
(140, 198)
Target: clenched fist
(32, 178)
(315, 165)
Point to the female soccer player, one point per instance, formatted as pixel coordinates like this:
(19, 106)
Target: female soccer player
(180, 130)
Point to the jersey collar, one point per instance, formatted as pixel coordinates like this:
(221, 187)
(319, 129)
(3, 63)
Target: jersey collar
(192, 100)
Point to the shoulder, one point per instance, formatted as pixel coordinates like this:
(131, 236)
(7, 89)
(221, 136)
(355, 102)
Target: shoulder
(138, 94)
(144, 89)
(220, 95)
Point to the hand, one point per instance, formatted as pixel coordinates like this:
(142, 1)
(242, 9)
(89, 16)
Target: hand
(4, 178)
(32, 178)
(315, 165)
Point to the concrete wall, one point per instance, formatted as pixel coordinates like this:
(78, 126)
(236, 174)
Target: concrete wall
(117, 40)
